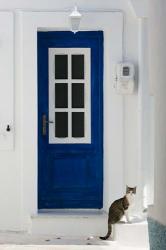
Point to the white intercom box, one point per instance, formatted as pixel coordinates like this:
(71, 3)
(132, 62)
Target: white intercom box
(125, 78)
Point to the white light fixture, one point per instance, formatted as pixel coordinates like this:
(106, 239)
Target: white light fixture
(75, 18)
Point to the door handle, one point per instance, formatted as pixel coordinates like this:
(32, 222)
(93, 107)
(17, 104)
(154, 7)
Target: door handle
(44, 124)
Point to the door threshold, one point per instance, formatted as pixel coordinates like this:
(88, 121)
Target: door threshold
(71, 212)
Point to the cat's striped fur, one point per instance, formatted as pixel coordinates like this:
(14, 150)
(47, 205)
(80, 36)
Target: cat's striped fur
(117, 210)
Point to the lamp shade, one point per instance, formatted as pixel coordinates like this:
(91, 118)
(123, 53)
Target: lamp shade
(75, 18)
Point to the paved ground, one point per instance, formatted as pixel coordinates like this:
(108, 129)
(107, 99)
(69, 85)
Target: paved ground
(20, 241)
(29, 239)
(38, 247)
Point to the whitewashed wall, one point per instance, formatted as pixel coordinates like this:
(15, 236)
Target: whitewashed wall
(11, 162)
(157, 63)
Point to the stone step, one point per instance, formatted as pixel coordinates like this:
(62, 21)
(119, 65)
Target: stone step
(70, 223)
(87, 224)
(134, 234)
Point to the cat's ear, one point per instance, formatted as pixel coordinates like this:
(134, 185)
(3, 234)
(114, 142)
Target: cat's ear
(127, 189)
(134, 190)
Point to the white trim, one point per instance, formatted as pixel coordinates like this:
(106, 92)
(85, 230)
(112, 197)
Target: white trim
(112, 25)
(139, 7)
(69, 81)
(146, 122)
(7, 81)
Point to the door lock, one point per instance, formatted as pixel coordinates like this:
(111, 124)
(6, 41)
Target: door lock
(44, 124)
(8, 128)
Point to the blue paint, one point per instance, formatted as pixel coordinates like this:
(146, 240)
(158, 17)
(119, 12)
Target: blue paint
(71, 175)
(157, 235)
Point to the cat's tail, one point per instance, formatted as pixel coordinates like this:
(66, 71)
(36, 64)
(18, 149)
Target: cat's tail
(108, 234)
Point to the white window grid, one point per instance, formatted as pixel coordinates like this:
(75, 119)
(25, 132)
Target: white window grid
(87, 95)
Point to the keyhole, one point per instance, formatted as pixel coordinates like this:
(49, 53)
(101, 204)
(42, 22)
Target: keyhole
(8, 128)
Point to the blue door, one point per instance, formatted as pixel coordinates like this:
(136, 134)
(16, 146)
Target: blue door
(70, 120)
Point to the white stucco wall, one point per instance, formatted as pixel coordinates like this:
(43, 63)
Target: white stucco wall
(11, 170)
(157, 62)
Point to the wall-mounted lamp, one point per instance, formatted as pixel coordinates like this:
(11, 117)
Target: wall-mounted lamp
(75, 18)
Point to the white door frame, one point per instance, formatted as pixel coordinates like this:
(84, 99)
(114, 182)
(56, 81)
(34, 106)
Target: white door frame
(112, 25)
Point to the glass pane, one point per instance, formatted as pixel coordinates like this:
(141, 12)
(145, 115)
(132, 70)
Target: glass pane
(61, 124)
(77, 95)
(126, 71)
(78, 124)
(77, 66)
(61, 67)
(61, 95)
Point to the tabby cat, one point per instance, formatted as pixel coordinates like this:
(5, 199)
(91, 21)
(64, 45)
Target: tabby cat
(118, 209)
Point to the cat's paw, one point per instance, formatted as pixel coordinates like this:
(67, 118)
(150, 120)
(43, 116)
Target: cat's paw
(121, 222)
